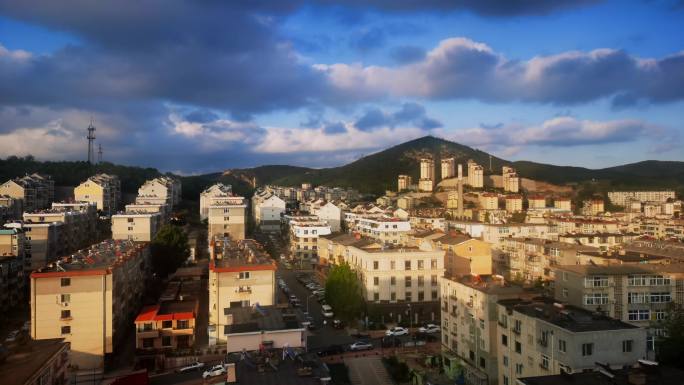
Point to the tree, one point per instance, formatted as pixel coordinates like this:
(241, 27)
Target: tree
(169, 250)
(670, 346)
(343, 292)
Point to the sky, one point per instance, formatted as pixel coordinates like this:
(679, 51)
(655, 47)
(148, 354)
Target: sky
(201, 86)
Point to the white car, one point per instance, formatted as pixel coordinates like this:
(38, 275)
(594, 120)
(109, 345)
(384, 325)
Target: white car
(360, 345)
(429, 329)
(194, 366)
(397, 331)
(327, 311)
(215, 370)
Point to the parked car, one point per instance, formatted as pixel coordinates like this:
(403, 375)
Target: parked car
(327, 311)
(429, 329)
(361, 345)
(192, 367)
(215, 370)
(397, 331)
(337, 324)
(331, 350)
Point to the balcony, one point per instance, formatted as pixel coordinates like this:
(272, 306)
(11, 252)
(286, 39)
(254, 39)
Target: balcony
(147, 334)
(516, 331)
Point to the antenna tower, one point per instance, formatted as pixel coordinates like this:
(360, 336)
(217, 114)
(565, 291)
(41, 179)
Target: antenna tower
(99, 153)
(91, 142)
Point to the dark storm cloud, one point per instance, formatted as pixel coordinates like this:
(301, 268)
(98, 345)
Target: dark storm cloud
(409, 113)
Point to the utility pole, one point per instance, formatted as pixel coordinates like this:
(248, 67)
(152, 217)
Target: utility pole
(91, 142)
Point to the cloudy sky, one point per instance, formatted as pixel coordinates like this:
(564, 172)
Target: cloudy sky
(197, 86)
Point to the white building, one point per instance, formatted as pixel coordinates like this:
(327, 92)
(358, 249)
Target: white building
(331, 214)
(215, 191)
(267, 209)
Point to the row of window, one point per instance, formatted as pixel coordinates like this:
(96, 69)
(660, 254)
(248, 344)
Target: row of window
(587, 348)
(408, 281)
(408, 296)
(645, 315)
(407, 264)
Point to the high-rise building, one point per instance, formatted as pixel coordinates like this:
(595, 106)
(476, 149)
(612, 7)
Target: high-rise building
(427, 175)
(101, 189)
(404, 182)
(448, 168)
(510, 180)
(475, 175)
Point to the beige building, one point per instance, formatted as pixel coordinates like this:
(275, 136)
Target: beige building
(510, 180)
(593, 207)
(10, 208)
(385, 229)
(240, 275)
(163, 187)
(79, 223)
(448, 168)
(35, 191)
(514, 203)
(138, 226)
(42, 243)
(102, 189)
(427, 175)
(151, 208)
(469, 323)
(489, 201)
(218, 190)
(622, 198)
(303, 237)
(12, 281)
(564, 204)
(90, 299)
(536, 202)
(475, 175)
(227, 215)
(404, 182)
(540, 337)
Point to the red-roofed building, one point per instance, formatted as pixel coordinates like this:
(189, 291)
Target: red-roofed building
(168, 325)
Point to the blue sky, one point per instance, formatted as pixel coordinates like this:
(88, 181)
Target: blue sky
(195, 86)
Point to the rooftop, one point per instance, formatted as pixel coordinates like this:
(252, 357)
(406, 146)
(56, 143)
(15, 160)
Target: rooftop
(246, 254)
(23, 362)
(644, 373)
(168, 310)
(491, 284)
(97, 258)
(571, 318)
(260, 318)
(623, 269)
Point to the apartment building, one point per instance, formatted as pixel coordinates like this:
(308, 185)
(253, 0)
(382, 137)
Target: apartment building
(496, 233)
(643, 372)
(35, 191)
(392, 277)
(593, 207)
(622, 198)
(79, 223)
(42, 242)
(672, 250)
(36, 363)
(662, 228)
(164, 210)
(585, 226)
(541, 337)
(102, 189)
(267, 208)
(164, 187)
(514, 203)
(465, 255)
(303, 237)
(10, 208)
(215, 191)
(12, 282)
(227, 216)
(564, 204)
(489, 201)
(475, 175)
(535, 202)
(448, 168)
(534, 258)
(138, 226)
(404, 182)
(90, 299)
(240, 275)
(602, 241)
(170, 324)
(331, 214)
(635, 293)
(384, 229)
(510, 180)
(427, 175)
(469, 324)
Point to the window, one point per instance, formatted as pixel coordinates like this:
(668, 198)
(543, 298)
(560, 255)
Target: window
(167, 324)
(627, 346)
(66, 330)
(433, 280)
(376, 264)
(65, 298)
(392, 265)
(504, 340)
(376, 281)
(505, 361)
(659, 280)
(130, 229)
(245, 274)
(182, 324)
(65, 282)
(433, 264)
(661, 297)
(471, 355)
(420, 264)
(376, 296)
(565, 293)
(434, 295)
(660, 315)
(650, 343)
(65, 314)
(421, 296)
(596, 299)
(637, 298)
(130, 220)
(596, 281)
(518, 326)
(166, 340)
(482, 323)
(408, 296)
(544, 362)
(393, 280)
(518, 347)
(421, 281)
(561, 346)
(146, 327)
(407, 281)
(148, 343)
(393, 296)
(518, 368)
(505, 380)
(639, 315)
(587, 349)
(407, 265)
(482, 362)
